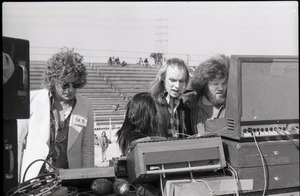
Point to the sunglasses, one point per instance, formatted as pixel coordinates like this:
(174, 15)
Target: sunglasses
(68, 85)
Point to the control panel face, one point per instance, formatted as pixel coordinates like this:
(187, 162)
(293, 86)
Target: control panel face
(270, 130)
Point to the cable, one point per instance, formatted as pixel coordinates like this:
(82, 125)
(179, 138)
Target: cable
(199, 180)
(133, 186)
(144, 190)
(50, 188)
(263, 163)
(290, 138)
(39, 186)
(140, 191)
(192, 181)
(236, 181)
(161, 185)
(35, 162)
(184, 134)
(236, 174)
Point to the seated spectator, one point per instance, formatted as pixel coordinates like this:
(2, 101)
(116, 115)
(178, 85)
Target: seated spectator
(141, 62)
(117, 61)
(116, 107)
(110, 61)
(113, 61)
(146, 62)
(123, 63)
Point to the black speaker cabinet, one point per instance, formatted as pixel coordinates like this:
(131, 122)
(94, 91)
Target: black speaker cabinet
(15, 90)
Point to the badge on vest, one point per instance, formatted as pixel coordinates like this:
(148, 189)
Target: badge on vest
(78, 120)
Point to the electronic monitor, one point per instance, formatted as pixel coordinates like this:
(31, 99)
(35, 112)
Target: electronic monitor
(262, 98)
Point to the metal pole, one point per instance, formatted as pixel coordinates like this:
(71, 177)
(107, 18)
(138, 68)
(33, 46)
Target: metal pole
(110, 128)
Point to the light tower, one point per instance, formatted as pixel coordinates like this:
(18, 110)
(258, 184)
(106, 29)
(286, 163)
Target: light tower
(161, 36)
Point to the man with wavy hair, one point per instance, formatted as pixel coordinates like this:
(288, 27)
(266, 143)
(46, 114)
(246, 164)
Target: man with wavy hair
(208, 98)
(60, 129)
(158, 112)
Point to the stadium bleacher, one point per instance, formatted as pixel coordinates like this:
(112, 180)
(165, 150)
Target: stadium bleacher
(106, 86)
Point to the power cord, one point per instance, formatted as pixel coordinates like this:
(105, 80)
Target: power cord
(235, 177)
(35, 162)
(211, 192)
(161, 185)
(288, 136)
(262, 160)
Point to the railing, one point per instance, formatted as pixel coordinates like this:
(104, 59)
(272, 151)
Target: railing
(96, 55)
(109, 126)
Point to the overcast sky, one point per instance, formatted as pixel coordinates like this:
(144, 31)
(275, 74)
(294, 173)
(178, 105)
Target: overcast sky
(195, 28)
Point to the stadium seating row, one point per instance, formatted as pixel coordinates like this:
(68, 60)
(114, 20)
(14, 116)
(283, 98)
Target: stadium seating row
(106, 86)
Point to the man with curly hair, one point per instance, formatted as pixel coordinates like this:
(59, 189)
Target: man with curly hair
(207, 100)
(158, 112)
(60, 128)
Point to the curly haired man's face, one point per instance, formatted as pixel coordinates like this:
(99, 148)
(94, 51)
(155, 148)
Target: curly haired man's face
(174, 81)
(216, 91)
(66, 91)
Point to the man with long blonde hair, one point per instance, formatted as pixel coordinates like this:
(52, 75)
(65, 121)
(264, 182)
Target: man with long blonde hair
(158, 112)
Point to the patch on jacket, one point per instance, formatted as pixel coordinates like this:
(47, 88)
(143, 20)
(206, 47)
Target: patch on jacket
(78, 120)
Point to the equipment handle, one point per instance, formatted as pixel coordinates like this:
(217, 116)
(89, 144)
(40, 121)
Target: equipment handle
(24, 71)
(9, 147)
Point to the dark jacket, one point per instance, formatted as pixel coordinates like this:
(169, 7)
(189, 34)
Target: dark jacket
(195, 111)
(190, 100)
(145, 117)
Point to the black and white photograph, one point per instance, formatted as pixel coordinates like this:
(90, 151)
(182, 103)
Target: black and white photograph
(150, 98)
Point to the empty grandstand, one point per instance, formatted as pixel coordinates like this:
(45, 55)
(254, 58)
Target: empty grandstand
(106, 86)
